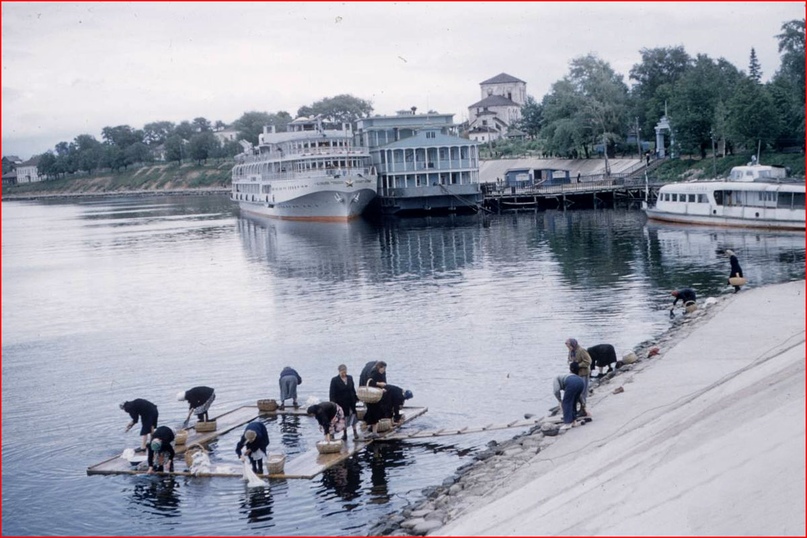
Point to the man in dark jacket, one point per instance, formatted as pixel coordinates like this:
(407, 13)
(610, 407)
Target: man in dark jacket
(343, 394)
(289, 379)
(146, 412)
(255, 440)
(199, 400)
(160, 450)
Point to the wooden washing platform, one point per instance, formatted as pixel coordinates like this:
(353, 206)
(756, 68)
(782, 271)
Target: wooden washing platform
(423, 434)
(306, 465)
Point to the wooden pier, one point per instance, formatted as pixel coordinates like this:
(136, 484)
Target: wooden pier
(306, 465)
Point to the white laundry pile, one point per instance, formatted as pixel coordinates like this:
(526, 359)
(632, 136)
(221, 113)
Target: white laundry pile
(252, 479)
(200, 463)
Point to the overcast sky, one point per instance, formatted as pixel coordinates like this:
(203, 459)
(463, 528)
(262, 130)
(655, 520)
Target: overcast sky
(74, 68)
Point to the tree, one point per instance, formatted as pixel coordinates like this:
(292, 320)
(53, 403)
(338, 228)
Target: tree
(137, 153)
(47, 165)
(157, 132)
(90, 152)
(531, 116)
(202, 146)
(655, 76)
(201, 124)
(787, 86)
(694, 101)
(185, 130)
(174, 148)
(122, 136)
(754, 69)
(752, 115)
(340, 109)
(251, 124)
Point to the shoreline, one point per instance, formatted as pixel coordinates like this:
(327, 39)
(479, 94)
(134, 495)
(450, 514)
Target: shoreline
(530, 484)
(141, 192)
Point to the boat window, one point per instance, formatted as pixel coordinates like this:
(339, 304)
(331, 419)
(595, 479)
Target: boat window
(702, 199)
(691, 198)
(786, 200)
(798, 200)
(718, 197)
(674, 197)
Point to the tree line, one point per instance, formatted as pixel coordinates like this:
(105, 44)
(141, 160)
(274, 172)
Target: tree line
(123, 146)
(709, 103)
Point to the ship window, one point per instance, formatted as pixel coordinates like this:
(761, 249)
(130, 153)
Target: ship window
(798, 200)
(691, 198)
(719, 197)
(786, 200)
(701, 198)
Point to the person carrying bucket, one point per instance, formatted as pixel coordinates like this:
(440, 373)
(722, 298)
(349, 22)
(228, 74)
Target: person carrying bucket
(736, 270)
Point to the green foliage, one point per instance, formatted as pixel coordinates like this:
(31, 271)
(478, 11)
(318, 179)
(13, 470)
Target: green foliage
(251, 124)
(752, 116)
(339, 109)
(203, 146)
(531, 117)
(754, 69)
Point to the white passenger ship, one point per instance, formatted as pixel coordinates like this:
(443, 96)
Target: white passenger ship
(755, 195)
(307, 173)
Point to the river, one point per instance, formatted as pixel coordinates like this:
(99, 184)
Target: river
(109, 299)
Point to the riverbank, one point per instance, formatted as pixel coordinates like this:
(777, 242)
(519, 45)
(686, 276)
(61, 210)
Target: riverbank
(140, 192)
(705, 438)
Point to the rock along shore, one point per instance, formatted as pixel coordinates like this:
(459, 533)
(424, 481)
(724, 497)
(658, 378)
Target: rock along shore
(706, 437)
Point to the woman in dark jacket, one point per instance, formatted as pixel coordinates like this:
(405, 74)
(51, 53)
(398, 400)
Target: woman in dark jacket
(255, 440)
(392, 401)
(343, 394)
(375, 411)
(199, 401)
(147, 413)
(160, 447)
(330, 417)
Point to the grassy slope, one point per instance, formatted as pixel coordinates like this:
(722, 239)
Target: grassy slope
(693, 169)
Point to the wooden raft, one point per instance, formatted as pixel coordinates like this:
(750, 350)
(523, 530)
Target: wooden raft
(311, 463)
(306, 465)
(423, 434)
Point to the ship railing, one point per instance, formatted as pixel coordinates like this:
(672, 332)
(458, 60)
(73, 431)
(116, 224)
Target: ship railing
(430, 166)
(335, 173)
(248, 159)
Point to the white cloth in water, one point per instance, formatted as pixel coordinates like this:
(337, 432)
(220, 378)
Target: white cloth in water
(200, 463)
(251, 478)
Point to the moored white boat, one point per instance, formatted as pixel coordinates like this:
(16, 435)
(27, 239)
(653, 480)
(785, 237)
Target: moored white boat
(307, 173)
(754, 195)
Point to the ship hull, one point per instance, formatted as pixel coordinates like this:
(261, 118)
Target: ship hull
(326, 205)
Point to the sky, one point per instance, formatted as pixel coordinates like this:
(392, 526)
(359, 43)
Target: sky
(75, 68)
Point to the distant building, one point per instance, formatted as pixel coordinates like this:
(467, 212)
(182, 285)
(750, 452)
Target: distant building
(27, 172)
(226, 135)
(499, 111)
(10, 178)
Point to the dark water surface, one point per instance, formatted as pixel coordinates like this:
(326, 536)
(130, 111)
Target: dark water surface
(113, 299)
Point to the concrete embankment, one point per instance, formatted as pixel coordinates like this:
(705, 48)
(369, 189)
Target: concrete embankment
(705, 438)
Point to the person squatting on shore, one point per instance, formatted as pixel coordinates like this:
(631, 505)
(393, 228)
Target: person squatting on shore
(685, 295)
(254, 441)
(578, 354)
(736, 270)
(573, 388)
(199, 401)
(147, 414)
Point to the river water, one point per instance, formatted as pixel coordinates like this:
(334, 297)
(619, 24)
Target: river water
(108, 299)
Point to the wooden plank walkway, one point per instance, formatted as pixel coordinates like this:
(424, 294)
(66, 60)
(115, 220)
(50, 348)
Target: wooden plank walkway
(306, 465)
(423, 434)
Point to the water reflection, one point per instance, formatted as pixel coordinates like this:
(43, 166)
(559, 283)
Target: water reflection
(290, 434)
(344, 480)
(158, 495)
(257, 503)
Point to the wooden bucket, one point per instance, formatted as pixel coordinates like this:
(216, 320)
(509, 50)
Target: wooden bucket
(690, 307)
(384, 425)
(209, 426)
(267, 405)
(738, 281)
(181, 437)
(192, 449)
(275, 463)
(329, 447)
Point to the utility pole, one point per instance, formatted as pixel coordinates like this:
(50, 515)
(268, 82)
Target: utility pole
(714, 156)
(638, 140)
